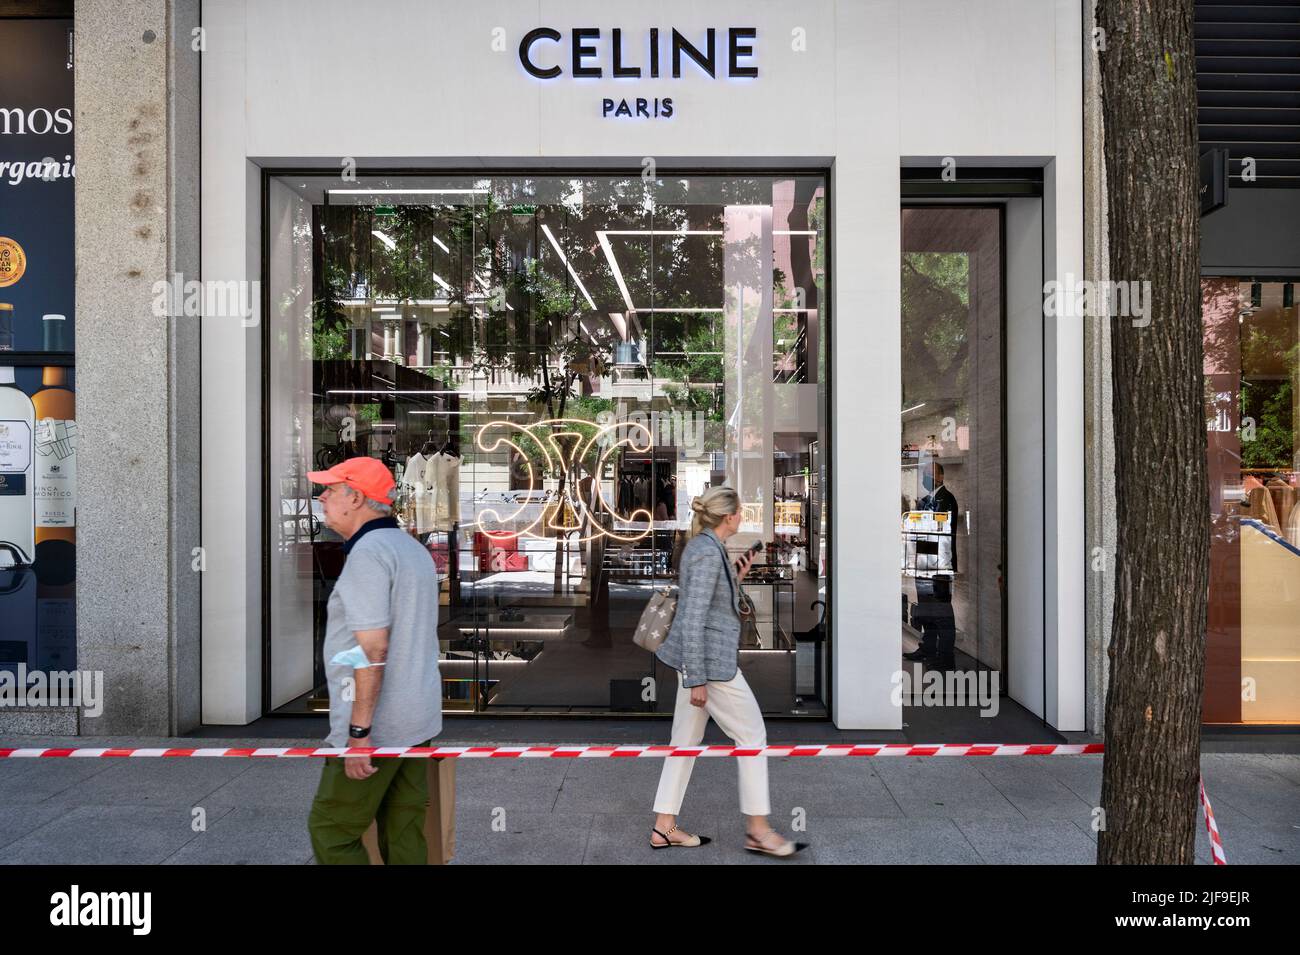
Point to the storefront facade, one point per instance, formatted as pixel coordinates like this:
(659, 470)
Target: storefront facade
(493, 189)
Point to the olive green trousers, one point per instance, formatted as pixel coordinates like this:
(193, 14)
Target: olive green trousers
(395, 797)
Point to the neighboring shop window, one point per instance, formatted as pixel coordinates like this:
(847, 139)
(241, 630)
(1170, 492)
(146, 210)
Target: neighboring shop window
(38, 430)
(1253, 454)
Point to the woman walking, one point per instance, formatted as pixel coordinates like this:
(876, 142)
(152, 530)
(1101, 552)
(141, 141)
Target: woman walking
(703, 647)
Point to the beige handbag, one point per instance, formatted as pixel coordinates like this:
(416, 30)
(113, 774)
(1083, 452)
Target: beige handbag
(652, 628)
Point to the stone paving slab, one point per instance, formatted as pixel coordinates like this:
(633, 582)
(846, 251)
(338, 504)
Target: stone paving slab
(904, 810)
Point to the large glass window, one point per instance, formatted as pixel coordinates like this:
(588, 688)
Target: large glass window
(1252, 368)
(38, 420)
(553, 366)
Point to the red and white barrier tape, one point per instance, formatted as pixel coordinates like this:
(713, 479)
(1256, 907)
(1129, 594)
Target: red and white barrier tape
(582, 751)
(1212, 827)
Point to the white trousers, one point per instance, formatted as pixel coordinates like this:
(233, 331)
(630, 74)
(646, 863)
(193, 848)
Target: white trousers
(734, 709)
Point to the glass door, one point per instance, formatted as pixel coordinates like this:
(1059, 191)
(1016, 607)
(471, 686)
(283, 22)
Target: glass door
(951, 461)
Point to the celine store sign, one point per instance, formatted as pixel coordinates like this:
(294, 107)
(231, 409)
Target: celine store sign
(589, 53)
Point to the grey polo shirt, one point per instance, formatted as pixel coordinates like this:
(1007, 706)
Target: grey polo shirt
(388, 580)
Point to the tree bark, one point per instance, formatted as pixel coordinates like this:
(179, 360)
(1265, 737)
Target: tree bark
(1157, 650)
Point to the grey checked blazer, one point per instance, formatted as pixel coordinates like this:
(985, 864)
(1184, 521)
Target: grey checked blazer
(704, 639)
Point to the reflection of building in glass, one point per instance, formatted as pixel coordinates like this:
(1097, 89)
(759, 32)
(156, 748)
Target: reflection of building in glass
(585, 355)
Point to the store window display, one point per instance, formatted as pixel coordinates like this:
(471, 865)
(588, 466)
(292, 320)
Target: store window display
(552, 367)
(38, 379)
(1252, 371)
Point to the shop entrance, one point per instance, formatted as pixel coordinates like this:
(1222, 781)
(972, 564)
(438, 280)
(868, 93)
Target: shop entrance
(553, 366)
(954, 445)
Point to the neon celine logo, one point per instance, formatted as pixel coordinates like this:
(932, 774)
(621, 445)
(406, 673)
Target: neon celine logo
(583, 49)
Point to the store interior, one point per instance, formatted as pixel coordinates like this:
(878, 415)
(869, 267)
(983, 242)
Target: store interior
(951, 461)
(553, 367)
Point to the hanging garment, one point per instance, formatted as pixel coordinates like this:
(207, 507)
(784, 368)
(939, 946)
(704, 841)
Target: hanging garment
(442, 478)
(1293, 525)
(418, 492)
(1284, 497)
(1260, 502)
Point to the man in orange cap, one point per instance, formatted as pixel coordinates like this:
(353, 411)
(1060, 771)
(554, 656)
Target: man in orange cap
(381, 657)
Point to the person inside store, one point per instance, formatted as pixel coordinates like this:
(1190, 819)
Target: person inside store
(381, 652)
(703, 646)
(939, 498)
(934, 594)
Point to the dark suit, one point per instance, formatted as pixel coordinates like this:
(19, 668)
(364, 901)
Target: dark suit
(934, 597)
(941, 499)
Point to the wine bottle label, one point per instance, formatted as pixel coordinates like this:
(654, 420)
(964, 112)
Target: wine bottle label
(56, 473)
(13, 260)
(15, 446)
(56, 633)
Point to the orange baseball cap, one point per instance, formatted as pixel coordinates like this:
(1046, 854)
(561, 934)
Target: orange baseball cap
(370, 476)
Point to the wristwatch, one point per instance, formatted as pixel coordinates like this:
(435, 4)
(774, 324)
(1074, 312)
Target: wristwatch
(358, 732)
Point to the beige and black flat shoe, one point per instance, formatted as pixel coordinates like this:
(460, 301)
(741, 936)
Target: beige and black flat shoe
(784, 851)
(691, 843)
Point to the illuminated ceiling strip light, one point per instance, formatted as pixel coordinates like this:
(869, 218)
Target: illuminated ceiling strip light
(442, 245)
(602, 235)
(692, 311)
(913, 408)
(397, 391)
(659, 232)
(705, 311)
(379, 302)
(794, 231)
(473, 413)
(565, 259)
(387, 240)
(603, 238)
(438, 278)
(405, 192)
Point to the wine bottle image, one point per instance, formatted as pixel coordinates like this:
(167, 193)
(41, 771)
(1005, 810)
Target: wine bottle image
(56, 445)
(18, 610)
(17, 427)
(56, 606)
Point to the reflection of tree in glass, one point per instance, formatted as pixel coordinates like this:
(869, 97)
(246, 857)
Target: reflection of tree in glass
(935, 313)
(1254, 351)
(514, 308)
(1269, 357)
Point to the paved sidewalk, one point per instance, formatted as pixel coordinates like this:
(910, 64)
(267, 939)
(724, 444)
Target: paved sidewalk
(858, 810)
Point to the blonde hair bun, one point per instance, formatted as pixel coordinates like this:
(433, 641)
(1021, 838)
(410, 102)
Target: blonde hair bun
(711, 507)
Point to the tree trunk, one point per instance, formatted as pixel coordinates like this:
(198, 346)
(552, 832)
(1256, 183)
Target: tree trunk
(1157, 649)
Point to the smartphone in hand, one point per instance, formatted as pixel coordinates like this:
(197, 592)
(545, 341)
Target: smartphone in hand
(754, 548)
